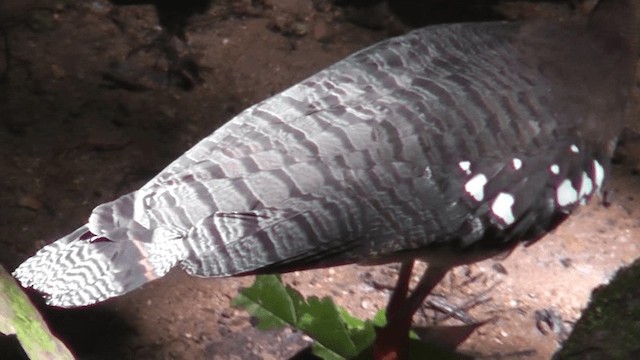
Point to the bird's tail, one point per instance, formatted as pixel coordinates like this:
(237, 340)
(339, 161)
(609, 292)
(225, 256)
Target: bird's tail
(83, 268)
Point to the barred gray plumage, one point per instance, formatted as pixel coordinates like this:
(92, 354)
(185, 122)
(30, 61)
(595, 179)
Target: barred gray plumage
(466, 138)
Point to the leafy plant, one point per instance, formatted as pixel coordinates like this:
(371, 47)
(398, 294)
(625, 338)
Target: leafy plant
(338, 335)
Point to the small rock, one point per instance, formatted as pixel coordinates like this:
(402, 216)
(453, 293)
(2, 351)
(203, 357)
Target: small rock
(321, 31)
(299, 28)
(499, 268)
(227, 313)
(566, 262)
(365, 304)
(245, 8)
(30, 202)
(287, 25)
(57, 71)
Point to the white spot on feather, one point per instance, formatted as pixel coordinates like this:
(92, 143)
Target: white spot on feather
(475, 186)
(586, 187)
(555, 169)
(598, 176)
(517, 163)
(465, 166)
(501, 208)
(574, 149)
(566, 194)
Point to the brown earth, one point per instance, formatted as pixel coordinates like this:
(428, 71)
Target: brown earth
(70, 140)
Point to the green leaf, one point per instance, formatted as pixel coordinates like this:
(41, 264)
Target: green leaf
(362, 333)
(269, 301)
(321, 320)
(352, 322)
(380, 318)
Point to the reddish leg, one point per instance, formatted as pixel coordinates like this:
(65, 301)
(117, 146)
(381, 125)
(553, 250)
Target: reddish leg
(401, 291)
(392, 341)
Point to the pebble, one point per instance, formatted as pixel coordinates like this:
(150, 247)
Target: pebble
(30, 202)
(365, 304)
(321, 31)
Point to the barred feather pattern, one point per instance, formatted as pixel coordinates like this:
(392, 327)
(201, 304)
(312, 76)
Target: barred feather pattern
(460, 136)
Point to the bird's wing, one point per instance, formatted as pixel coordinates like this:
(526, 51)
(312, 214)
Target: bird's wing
(366, 135)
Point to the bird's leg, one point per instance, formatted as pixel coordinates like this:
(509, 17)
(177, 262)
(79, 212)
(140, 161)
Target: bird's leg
(392, 341)
(401, 291)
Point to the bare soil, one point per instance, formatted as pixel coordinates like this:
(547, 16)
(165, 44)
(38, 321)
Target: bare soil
(70, 140)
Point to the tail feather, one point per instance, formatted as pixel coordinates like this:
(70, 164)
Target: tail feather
(82, 268)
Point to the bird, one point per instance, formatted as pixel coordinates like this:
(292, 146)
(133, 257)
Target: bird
(448, 144)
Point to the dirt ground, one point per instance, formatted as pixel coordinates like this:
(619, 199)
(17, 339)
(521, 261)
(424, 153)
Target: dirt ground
(81, 123)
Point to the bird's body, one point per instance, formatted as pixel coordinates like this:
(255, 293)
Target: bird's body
(464, 139)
